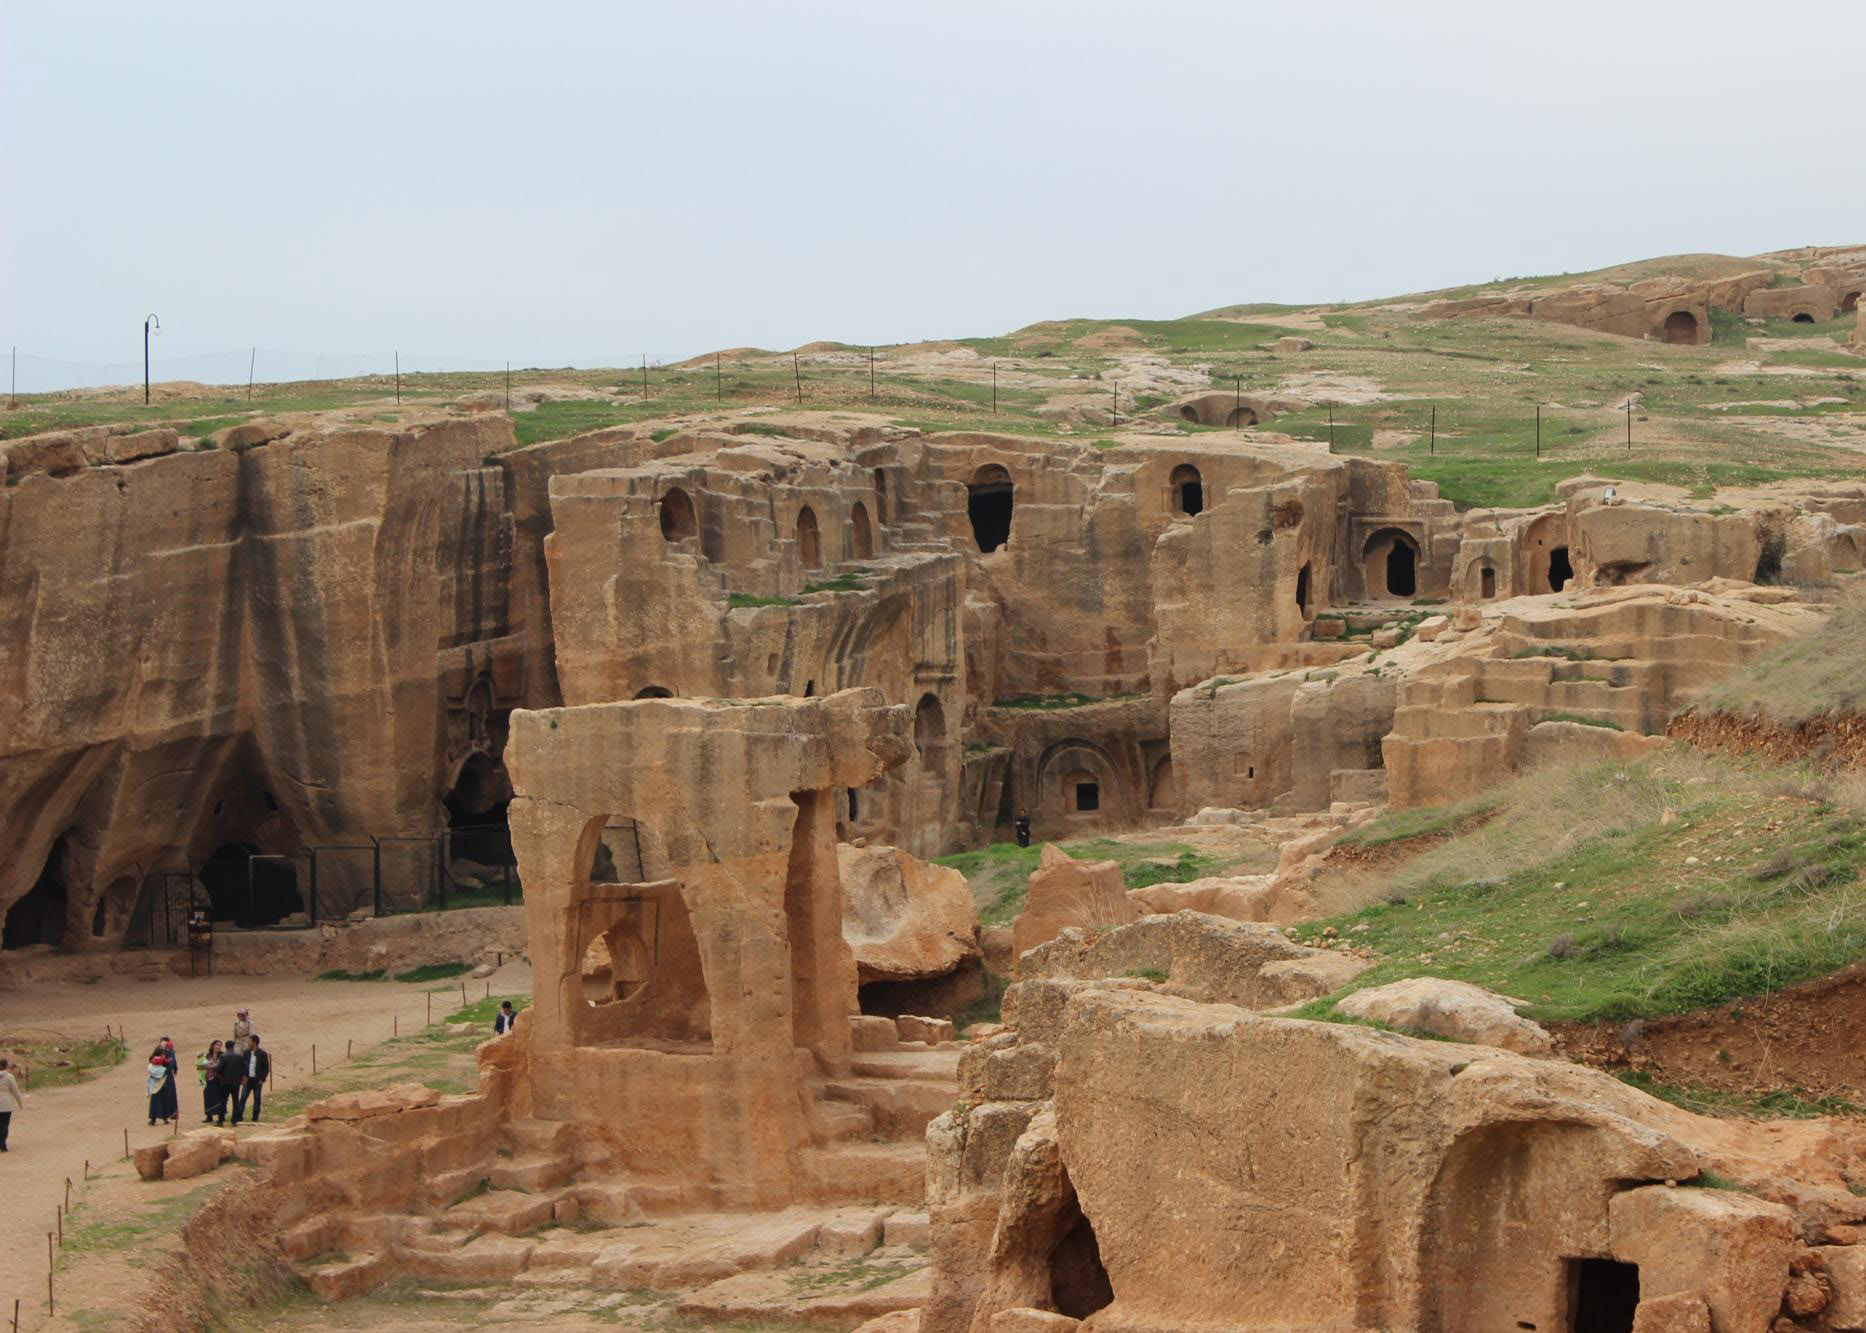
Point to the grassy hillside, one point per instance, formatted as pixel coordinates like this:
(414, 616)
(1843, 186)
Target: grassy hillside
(1619, 890)
(1805, 677)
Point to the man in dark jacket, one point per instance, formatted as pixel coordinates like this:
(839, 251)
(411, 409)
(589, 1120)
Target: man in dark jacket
(228, 1074)
(502, 1021)
(258, 1062)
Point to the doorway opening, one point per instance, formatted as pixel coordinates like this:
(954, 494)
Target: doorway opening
(1603, 1295)
(809, 540)
(1390, 563)
(1803, 317)
(1849, 303)
(1681, 326)
(1560, 571)
(250, 888)
(1302, 592)
(989, 502)
(1079, 1284)
(1486, 583)
(39, 917)
(1165, 793)
(479, 837)
(1239, 417)
(861, 532)
(1084, 792)
(1188, 491)
(677, 517)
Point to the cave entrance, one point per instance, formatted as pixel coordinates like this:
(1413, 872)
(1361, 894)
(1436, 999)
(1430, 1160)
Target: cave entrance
(678, 521)
(479, 837)
(1079, 1284)
(988, 504)
(1603, 1295)
(249, 887)
(861, 532)
(1188, 491)
(1803, 317)
(1849, 303)
(1486, 583)
(1681, 326)
(1302, 592)
(39, 917)
(1390, 561)
(1239, 417)
(1560, 571)
(809, 540)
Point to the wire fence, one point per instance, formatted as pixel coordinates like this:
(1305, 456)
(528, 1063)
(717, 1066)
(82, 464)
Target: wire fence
(32, 373)
(245, 889)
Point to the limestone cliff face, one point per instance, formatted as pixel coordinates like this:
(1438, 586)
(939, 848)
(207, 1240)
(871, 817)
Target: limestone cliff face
(257, 648)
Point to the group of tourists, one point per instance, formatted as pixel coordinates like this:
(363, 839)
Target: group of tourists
(232, 1075)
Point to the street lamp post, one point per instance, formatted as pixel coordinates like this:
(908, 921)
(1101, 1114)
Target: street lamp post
(152, 320)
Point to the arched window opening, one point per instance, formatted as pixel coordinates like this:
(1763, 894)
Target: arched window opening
(861, 532)
(1302, 591)
(1390, 562)
(988, 504)
(1188, 490)
(39, 917)
(1560, 571)
(1486, 583)
(1681, 326)
(654, 692)
(678, 521)
(809, 541)
(929, 724)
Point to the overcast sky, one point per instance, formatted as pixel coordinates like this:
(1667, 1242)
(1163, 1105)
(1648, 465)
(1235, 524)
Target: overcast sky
(581, 183)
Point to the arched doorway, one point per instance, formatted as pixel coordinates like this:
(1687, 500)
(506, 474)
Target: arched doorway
(39, 917)
(929, 724)
(989, 503)
(654, 692)
(1560, 571)
(861, 532)
(1486, 583)
(677, 517)
(1391, 562)
(1189, 412)
(1681, 326)
(1165, 793)
(1239, 417)
(1849, 303)
(1802, 317)
(1188, 490)
(809, 540)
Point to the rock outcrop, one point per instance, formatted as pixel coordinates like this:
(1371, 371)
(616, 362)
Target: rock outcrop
(904, 919)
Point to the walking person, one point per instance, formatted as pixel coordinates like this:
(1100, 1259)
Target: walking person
(258, 1070)
(1023, 827)
(231, 1070)
(503, 1021)
(11, 1100)
(163, 1103)
(207, 1069)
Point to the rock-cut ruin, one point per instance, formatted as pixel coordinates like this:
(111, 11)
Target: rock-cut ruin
(725, 685)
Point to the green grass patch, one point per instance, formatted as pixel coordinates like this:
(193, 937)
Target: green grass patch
(1804, 677)
(850, 580)
(1790, 1104)
(1404, 825)
(1622, 890)
(435, 972)
(341, 974)
(57, 1062)
(739, 600)
(1060, 699)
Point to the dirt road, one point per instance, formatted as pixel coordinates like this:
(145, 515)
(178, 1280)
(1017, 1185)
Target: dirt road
(61, 1127)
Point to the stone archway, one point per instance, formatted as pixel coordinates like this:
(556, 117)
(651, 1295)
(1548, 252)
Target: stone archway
(1390, 560)
(1681, 326)
(1188, 489)
(861, 532)
(678, 520)
(40, 916)
(809, 539)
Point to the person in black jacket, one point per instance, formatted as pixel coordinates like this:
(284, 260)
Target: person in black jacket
(228, 1074)
(502, 1021)
(253, 1082)
(1023, 828)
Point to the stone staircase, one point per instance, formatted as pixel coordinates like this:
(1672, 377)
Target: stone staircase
(532, 1214)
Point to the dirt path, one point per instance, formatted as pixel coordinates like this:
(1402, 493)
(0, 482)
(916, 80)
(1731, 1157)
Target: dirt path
(61, 1127)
